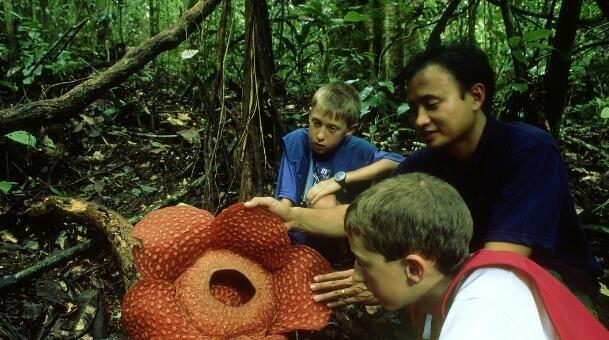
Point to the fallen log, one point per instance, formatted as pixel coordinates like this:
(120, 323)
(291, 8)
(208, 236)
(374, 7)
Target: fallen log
(61, 108)
(98, 218)
(47, 263)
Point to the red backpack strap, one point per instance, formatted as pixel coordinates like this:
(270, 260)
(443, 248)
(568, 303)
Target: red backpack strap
(570, 318)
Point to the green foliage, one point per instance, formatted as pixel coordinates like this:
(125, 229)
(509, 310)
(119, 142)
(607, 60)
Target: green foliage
(22, 137)
(5, 187)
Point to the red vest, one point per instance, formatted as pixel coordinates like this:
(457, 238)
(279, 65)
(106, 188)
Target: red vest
(570, 318)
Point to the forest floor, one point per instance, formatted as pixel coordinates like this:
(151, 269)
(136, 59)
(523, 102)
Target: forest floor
(130, 159)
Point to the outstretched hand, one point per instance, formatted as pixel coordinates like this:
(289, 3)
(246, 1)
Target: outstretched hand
(276, 207)
(338, 289)
(321, 189)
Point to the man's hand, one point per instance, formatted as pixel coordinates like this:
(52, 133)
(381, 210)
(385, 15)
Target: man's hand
(338, 289)
(321, 189)
(276, 207)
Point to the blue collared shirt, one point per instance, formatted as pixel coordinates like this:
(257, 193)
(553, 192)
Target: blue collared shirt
(516, 188)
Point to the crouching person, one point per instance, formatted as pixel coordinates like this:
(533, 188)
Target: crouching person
(410, 235)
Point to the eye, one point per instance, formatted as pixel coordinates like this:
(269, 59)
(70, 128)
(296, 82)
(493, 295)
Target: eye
(432, 104)
(333, 128)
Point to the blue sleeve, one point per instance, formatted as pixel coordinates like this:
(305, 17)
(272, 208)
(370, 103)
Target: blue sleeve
(378, 155)
(286, 182)
(529, 204)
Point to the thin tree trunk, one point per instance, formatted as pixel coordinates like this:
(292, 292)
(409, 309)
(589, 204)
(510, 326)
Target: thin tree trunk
(557, 74)
(435, 38)
(472, 10)
(216, 92)
(394, 42)
(250, 152)
(520, 70)
(10, 32)
(39, 112)
(377, 36)
(43, 10)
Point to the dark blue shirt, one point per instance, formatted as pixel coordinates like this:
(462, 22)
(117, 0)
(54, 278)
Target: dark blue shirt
(516, 188)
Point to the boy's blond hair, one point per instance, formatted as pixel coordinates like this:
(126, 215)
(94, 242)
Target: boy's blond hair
(413, 213)
(339, 100)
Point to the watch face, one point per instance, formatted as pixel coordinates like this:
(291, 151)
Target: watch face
(340, 176)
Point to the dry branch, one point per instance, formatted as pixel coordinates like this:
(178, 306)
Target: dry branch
(39, 112)
(101, 219)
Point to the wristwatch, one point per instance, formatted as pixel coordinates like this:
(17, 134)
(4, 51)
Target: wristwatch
(340, 178)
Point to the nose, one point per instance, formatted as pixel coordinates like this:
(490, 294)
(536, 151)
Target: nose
(422, 118)
(320, 135)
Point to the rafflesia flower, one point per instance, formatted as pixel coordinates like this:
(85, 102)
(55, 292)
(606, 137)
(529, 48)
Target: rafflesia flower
(235, 276)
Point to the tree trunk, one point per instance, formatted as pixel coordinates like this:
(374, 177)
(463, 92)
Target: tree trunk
(10, 32)
(39, 112)
(394, 42)
(377, 36)
(520, 70)
(250, 157)
(472, 10)
(557, 74)
(216, 93)
(435, 38)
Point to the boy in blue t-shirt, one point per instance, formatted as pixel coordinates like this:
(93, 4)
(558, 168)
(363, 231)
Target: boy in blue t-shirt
(325, 165)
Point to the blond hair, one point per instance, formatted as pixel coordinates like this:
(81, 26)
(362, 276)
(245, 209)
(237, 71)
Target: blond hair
(338, 99)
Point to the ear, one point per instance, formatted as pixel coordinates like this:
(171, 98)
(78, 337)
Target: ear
(351, 129)
(478, 93)
(416, 268)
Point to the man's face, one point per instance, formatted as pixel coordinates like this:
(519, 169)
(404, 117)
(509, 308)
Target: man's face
(325, 132)
(443, 116)
(387, 281)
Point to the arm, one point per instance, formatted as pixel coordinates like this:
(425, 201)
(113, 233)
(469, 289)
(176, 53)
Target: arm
(323, 222)
(376, 170)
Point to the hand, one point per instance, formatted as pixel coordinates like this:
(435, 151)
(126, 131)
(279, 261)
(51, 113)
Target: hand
(338, 289)
(321, 189)
(276, 207)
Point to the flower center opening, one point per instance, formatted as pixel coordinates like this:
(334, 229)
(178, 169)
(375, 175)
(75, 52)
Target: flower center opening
(231, 287)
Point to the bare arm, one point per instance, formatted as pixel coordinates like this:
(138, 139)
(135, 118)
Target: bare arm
(323, 222)
(376, 170)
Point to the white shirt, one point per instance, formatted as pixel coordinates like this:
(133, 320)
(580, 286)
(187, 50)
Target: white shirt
(495, 303)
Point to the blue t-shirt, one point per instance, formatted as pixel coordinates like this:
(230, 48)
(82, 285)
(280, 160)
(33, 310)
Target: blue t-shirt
(351, 154)
(516, 188)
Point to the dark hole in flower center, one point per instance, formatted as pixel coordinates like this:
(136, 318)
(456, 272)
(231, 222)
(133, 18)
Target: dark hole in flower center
(231, 287)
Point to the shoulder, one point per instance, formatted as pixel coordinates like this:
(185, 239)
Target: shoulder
(516, 136)
(420, 160)
(357, 142)
(301, 134)
(503, 305)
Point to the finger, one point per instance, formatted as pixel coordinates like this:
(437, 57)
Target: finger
(343, 274)
(335, 285)
(344, 302)
(260, 201)
(335, 295)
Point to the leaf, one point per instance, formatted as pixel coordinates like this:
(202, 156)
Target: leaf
(6, 236)
(191, 135)
(605, 113)
(514, 41)
(536, 35)
(520, 87)
(353, 16)
(388, 84)
(520, 56)
(187, 54)
(147, 189)
(56, 191)
(22, 137)
(403, 108)
(365, 93)
(9, 85)
(5, 186)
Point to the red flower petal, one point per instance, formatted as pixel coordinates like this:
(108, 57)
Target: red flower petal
(172, 239)
(254, 233)
(226, 294)
(297, 310)
(261, 337)
(150, 312)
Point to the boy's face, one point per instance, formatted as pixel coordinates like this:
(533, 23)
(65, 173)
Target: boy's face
(325, 132)
(388, 281)
(443, 116)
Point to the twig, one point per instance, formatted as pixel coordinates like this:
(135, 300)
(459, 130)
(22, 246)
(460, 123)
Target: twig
(43, 265)
(582, 143)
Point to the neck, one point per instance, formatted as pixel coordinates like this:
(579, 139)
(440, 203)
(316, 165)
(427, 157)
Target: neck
(435, 294)
(466, 146)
